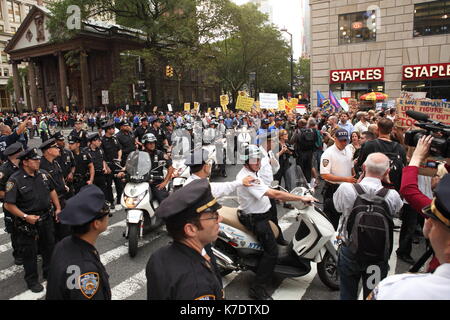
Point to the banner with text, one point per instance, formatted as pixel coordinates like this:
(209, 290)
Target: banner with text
(268, 100)
(244, 103)
(436, 109)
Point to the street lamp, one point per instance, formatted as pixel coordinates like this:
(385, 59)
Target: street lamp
(292, 61)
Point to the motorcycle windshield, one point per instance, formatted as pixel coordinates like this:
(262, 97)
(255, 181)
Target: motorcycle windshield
(138, 165)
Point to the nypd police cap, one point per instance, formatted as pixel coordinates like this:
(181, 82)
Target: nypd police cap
(341, 134)
(73, 139)
(13, 149)
(58, 136)
(195, 198)
(109, 124)
(48, 144)
(94, 136)
(85, 206)
(29, 154)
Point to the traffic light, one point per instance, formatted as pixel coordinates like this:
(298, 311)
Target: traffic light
(169, 71)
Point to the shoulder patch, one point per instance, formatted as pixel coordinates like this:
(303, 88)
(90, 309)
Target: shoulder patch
(325, 162)
(206, 297)
(89, 284)
(9, 185)
(1, 175)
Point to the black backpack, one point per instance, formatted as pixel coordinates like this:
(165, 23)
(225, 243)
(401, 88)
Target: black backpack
(306, 140)
(370, 227)
(396, 164)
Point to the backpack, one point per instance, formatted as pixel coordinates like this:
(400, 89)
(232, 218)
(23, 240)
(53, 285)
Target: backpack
(396, 165)
(319, 141)
(370, 227)
(307, 139)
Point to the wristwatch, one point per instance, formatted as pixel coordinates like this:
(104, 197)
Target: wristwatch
(24, 217)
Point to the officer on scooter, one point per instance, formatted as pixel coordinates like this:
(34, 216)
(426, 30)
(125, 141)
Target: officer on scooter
(158, 186)
(254, 213)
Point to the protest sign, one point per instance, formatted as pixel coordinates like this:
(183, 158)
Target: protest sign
(436, 109)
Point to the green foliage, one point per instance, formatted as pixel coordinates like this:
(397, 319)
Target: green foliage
(303, 75)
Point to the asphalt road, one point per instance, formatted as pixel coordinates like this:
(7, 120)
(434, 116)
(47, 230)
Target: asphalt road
(127, 275)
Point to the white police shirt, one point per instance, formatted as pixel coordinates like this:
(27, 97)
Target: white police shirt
(345, 197)
(337, 162)
(218, 189)
(266, 170)
(252, 199)
(408, 286)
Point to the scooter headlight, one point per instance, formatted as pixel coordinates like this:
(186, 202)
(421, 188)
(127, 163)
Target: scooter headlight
(132, 202)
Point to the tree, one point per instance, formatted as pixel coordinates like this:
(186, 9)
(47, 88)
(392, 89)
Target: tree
(252, 46)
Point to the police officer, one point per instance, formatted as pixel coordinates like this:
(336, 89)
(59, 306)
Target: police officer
(140, 131)
(254, 213)
(66, 160)
(76, 272)
(80, 133)
(183, 270)
(98, 159)
(29, 193)
(84, 167)
(113, 156)
(336, 167)
(126, 140)
(158, 186)
(157, 131)
(6, 170)
(51, 151)
(9, 136)
(428, 286)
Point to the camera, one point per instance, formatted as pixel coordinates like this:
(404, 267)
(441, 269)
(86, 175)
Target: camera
(440, 145)
(290, 148)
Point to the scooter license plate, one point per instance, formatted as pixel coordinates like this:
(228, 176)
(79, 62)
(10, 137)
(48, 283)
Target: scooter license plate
(178, 181)
(134, 216)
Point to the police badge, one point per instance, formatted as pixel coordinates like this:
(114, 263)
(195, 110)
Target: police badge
(89, 283)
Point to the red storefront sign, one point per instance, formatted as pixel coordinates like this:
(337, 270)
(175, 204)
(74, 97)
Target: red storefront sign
(357, 75)
(426, 71)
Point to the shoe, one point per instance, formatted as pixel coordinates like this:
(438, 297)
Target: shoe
(37, 287)
(18, 261)
(406, 258)
(224, 175)
(259, 293)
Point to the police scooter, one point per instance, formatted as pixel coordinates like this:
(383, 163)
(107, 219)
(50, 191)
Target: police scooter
(237, 248)
(137, 198)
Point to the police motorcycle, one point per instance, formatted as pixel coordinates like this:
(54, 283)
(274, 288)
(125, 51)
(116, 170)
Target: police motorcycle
(137, 198)
(237, 248)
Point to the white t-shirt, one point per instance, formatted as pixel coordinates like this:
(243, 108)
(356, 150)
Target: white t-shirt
(337, 162)
(361, 127)
(252, 199)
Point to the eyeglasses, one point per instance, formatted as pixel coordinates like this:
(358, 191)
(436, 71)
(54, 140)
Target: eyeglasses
(215, 217)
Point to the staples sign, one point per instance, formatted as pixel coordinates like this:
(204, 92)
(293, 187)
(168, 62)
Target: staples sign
(357, 75)
(426, 71)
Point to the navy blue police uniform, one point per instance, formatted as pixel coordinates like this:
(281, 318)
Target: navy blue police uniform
(98, 156)
(89, 279)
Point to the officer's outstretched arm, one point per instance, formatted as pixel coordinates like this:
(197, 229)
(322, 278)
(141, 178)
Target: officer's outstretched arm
(285, 196)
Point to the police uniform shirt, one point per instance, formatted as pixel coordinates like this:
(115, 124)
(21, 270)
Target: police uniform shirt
(82, 135)
(82, 161)
(252, 199)
(345, 197)
(66, 161)
(56, 175)
(157, 156)
(88, 281)
(218, 189)
(6, 170)
(337, 162)
(29, 193)
(97, 156)
(6, 141)
(111, 148)
(159, 134)
(408, 286)
(139, 132)
(178, 272)
(126, 141)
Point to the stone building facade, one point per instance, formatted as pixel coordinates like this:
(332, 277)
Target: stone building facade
(406, 41)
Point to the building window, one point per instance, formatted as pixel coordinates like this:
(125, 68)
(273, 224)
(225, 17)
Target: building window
(17, 17)
(4, 58)
(357, 27)
(2, 28)
(431, 18)
(13, 29)
(5, 72)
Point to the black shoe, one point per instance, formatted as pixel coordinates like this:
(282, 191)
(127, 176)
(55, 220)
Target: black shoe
(259, 293)
(406, 258)
(224, 175)
(18, 261)
(37, 287)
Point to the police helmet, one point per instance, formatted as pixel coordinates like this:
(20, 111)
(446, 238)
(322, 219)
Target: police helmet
(148, 138)
(251, 151)
(188, 126)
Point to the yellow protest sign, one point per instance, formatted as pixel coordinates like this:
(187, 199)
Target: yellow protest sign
(243, 93)
(282, 105)
(39, 109)
(187, 106)
(293, 103)
(244, 103)
(209, 110)
(67, 108)
(196, 106)
(224, 100)
(218, 111)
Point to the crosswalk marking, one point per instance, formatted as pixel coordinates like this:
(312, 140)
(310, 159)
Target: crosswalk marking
(29, 295)
(127, 288)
